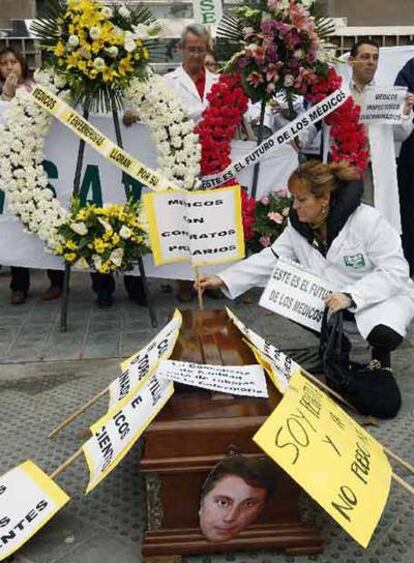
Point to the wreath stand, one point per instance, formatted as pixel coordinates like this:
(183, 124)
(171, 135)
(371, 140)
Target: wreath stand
(76, 187)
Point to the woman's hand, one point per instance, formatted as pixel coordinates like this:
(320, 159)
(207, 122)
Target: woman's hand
(10, 85)
(337, 302)
(210, 282)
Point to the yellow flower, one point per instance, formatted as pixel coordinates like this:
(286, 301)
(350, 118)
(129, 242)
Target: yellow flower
(93, 73)
(73, 60)
(105, 267)
(108, 74)
(81, 215)
(145, 54)
(125, 66)
(100, 245)
(71, 245)
(69, 256)
(59, 49)
(59, 249)
(115, 238)
(107, 235)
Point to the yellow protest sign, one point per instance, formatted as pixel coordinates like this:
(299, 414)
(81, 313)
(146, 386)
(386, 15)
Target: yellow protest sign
(201, 226)
(114, 434)
(29, 498)
(329, 455)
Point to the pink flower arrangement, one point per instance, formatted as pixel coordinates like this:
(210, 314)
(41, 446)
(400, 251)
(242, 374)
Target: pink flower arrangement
(280, 51)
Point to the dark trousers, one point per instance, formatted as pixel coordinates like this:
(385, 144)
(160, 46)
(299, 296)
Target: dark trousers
(20, 278)
(105, 284)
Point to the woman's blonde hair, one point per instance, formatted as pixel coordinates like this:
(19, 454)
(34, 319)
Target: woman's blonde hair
(320, 178)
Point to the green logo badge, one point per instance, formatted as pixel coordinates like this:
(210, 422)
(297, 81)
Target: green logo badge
(355, 262)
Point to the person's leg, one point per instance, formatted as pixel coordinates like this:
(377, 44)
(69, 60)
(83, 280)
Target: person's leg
(56, 285)
(104, 286)
(19, 284)
(135, 289)
(383, 340)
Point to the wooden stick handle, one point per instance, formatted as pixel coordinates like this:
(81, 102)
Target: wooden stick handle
(403, 483)
(77, 413)
(398, 459)
(199, 290)
(66, 464)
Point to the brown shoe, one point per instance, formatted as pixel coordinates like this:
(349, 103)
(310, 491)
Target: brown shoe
(17, 297)
(54, 292)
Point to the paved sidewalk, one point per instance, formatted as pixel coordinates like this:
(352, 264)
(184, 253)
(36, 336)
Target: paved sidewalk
(46, 374)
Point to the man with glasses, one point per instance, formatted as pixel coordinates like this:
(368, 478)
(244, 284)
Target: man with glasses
(191, 80)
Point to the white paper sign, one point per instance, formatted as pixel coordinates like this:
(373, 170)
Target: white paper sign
(383, 104)
(297, 294)
(116, 432)
(204, 227)
(140, 366)
(28, 500)
(236, 380)
(282, 366)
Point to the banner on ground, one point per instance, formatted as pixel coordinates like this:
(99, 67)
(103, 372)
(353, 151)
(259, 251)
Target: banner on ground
(116, 432)
(28, 500)
(203, 227)
(297, 294)
(247, 380)
(285, 135)
(208, 12)
(140, 366)
(383, 104)
(84, 130)
(330, 456)
(278, 365)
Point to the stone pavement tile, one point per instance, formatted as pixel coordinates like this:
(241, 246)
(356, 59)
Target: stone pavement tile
(102, 344)
(133, 342)
(103, 549)
(60, 538)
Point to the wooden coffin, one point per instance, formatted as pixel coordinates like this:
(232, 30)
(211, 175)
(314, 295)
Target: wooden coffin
(192, 433)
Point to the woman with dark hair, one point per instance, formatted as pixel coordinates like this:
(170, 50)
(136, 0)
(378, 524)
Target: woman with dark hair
(349, 244)
(15, 77)
(14, 73)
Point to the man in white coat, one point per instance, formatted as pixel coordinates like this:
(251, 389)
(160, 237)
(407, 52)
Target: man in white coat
(191, 81)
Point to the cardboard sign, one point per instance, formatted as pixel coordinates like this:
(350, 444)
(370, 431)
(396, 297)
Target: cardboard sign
(204, 227)
(116, 432)
(297, 294)
(237, 380)
(278, 365)
(383, 104)
(140, 366)
(330, 456)
(28, 500)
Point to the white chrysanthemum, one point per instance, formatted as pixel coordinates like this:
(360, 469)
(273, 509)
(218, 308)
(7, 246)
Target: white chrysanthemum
(124, 12)
(73, 40)
(94, 33)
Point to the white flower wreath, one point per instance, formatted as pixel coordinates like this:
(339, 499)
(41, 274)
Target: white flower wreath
(21, 150)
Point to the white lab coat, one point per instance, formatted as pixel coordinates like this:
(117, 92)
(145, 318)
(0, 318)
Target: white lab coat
(185, 88)
(380, 287)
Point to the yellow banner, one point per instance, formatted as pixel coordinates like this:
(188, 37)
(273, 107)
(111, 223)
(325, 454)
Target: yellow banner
(83, 129)
(330, 456)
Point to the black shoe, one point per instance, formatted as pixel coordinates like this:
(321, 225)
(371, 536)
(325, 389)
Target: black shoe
(104, 299)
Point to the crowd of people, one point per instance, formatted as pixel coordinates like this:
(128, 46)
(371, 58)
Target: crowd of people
(328, 218)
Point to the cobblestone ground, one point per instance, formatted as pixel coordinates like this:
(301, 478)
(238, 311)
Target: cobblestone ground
(46, 374)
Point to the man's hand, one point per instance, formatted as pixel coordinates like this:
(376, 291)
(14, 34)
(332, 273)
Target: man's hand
(337, 302)
(129, 118)
(409, 103)
(210, 282)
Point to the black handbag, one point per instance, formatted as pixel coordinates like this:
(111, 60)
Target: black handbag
(371, 389)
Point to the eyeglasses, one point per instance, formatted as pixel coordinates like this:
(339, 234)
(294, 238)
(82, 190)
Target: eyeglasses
(196, 50)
